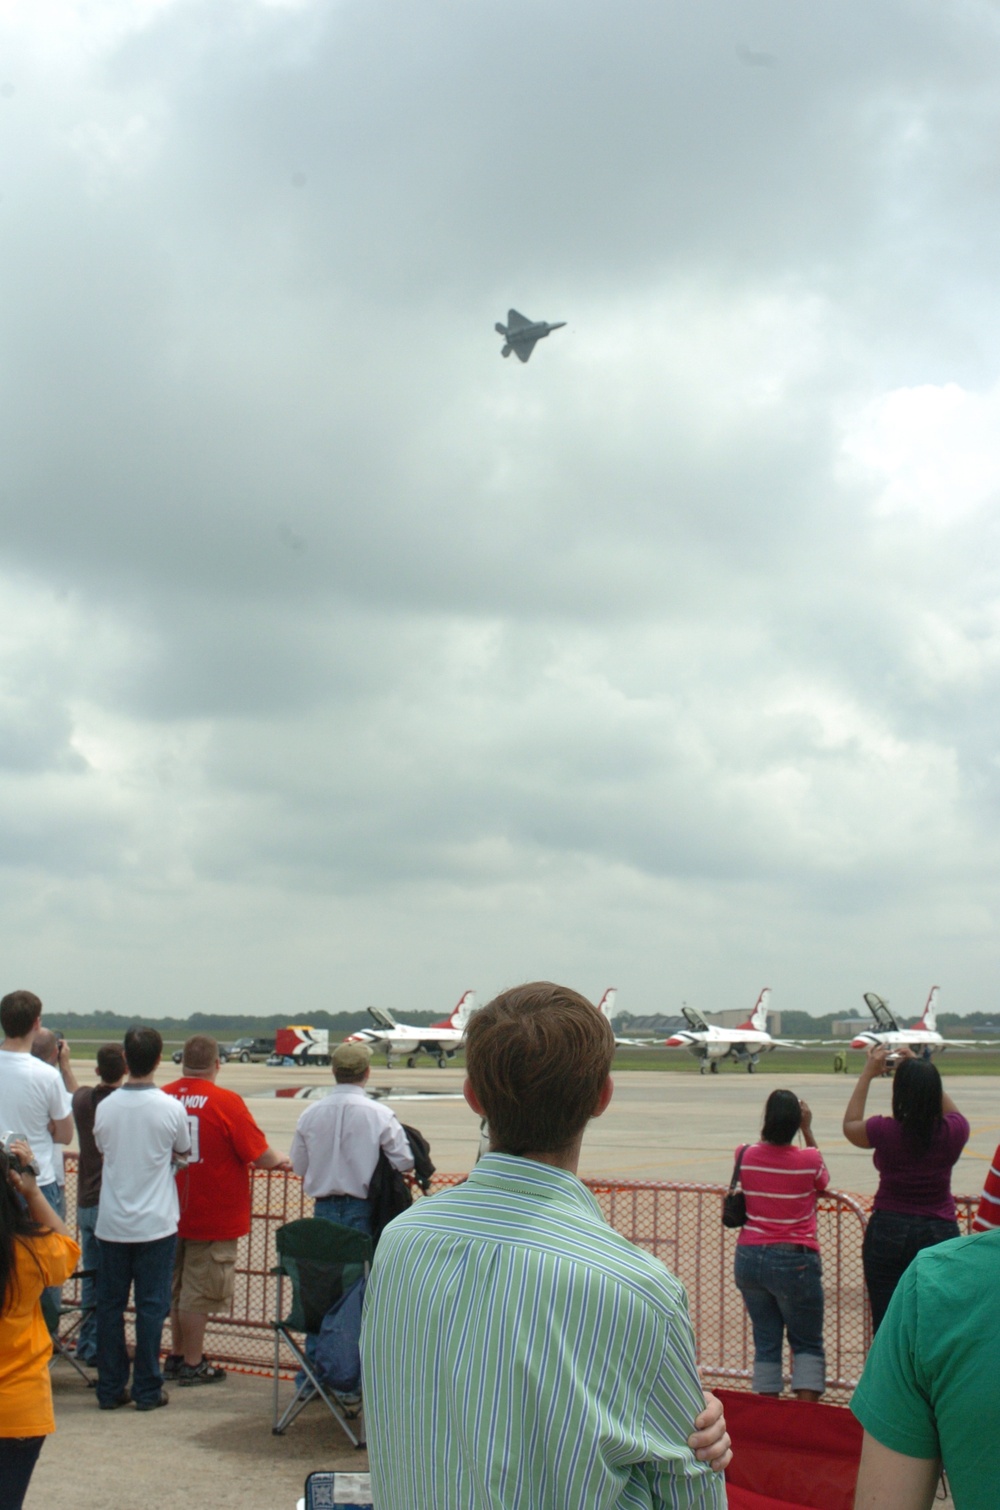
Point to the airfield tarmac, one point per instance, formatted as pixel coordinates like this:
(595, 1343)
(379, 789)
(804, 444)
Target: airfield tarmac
(659, 1126)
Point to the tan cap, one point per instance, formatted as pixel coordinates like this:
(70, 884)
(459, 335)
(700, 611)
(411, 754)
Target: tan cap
(352, 1056)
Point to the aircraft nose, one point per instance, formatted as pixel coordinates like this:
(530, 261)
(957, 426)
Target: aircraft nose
(859, 1043)
(673, 1043)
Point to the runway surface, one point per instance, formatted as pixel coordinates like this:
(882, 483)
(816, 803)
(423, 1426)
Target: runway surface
(660, 1126)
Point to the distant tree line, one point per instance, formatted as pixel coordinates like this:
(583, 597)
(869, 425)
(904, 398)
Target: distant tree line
(96, 1024)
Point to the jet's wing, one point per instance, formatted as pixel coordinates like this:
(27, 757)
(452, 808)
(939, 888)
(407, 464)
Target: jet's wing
(517, 321)
(522, 349)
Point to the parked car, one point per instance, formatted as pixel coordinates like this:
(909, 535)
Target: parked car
(249, 1050)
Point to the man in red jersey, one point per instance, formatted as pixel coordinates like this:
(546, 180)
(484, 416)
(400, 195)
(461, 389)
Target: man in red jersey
(214, 1195)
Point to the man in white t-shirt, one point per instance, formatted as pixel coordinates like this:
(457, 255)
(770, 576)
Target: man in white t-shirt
(142, 1134)
(51, 1048)
(34, 1101)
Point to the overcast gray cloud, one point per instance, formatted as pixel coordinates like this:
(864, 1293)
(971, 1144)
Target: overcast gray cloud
(343, 661)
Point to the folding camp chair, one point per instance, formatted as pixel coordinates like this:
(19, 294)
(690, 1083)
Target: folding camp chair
(323, 1260)
(62, 1342)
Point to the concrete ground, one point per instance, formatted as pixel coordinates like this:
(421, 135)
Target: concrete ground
(659, 1126)
(213, 1445)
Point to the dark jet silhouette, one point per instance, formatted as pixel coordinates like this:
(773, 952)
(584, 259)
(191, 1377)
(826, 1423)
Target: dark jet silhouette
(520, 334)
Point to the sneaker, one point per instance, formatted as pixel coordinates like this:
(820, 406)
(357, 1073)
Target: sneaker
(161, 1399)
(172, 1365)
(200, 1373)
(116, 1403)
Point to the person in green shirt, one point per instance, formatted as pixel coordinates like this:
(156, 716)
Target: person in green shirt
(517, 1352)
(930, 1391)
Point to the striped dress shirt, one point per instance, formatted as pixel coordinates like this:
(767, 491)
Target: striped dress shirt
(519, 1354)
(781, 1183)
(988, 1214)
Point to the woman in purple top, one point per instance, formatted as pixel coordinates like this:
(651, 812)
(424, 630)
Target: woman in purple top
(915, 1151)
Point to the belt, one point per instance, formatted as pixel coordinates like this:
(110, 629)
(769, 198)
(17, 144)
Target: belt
(793, 1247)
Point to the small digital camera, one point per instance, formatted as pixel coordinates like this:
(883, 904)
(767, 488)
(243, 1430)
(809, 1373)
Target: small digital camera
(7, 1144)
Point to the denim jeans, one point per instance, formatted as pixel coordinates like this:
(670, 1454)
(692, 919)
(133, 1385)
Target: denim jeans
(892, 1241)
(782, 1289)
(55, 1194)
(348, 1210)
(18, 1456)
(86, 1337)
(149, 1268)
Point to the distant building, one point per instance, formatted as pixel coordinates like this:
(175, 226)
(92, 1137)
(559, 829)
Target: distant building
(656, 1026)
(850, 1027)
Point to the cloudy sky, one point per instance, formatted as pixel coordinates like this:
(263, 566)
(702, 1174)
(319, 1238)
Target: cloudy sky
(342, 661)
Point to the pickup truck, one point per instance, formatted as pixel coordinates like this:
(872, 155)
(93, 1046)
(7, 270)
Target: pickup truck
(243, 1049)
(248, 1050)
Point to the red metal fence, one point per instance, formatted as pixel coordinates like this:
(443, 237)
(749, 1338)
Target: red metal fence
(678, 1223)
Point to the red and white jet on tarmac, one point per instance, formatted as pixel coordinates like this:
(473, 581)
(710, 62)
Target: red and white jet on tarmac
(923, 1038)
(745, 1044)
(441, 1040)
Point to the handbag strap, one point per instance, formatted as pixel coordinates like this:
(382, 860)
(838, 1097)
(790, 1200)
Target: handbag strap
(736, 1168)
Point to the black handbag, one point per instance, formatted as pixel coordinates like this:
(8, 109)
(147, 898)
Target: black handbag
(734, 1202)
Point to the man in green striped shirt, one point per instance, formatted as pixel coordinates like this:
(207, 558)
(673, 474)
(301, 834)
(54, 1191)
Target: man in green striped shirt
(517, 1352)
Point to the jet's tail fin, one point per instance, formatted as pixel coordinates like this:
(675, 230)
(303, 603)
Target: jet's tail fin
(461, 1013)
(381, 1017)
(606, 1005)
(464, 1010)
(757, 1021)
(929, 1019)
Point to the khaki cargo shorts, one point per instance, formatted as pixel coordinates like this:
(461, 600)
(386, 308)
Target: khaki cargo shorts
(204, 1276)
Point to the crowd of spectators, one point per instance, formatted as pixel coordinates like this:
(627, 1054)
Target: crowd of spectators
(509, 1290)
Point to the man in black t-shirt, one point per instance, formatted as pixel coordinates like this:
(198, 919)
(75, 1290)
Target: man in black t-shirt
(112, 1069)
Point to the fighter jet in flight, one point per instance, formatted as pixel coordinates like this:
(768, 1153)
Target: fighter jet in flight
(520, 334)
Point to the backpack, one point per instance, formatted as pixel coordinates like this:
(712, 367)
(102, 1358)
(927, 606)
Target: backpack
(338, 1357)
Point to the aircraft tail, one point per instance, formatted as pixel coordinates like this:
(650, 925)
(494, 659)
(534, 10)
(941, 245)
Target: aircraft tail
(929, 1019)
(757, 1021)
(606, 1005)
(463, 1010)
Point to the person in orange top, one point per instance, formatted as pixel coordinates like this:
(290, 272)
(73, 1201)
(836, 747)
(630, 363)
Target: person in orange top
(36, 1250)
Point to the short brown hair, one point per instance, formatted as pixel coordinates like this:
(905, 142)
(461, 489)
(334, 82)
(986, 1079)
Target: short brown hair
(111, 1064)
(537, 1057)
(19, 1011)
(200, 1054)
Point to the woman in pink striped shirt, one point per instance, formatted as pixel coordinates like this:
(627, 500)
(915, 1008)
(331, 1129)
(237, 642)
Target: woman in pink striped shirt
(778, 1270)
